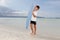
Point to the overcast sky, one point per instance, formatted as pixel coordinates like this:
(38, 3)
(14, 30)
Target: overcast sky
(49, 8)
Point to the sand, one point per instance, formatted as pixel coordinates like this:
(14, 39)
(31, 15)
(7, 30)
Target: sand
(8, 34)
(13, 29)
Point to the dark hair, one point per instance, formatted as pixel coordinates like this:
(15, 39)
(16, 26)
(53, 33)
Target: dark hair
(38, 7)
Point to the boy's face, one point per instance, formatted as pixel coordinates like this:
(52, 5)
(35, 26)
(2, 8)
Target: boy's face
(36, 9)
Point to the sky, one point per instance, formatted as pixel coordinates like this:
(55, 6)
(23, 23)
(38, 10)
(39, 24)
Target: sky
(48, 8)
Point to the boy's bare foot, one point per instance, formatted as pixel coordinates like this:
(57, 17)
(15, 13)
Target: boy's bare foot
(31, 33)
(34, 33)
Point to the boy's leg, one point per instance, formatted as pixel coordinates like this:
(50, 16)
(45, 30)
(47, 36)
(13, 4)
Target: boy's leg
(34, 29)
(31, 27)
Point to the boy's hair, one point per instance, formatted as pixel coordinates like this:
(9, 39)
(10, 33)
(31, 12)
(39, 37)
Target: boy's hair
(38, 6)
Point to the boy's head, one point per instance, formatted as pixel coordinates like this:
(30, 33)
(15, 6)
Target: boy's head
(37, 7)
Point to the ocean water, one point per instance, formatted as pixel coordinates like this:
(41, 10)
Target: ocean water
(46, 28)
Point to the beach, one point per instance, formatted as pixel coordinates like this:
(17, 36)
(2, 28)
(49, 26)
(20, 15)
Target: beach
(14, 29)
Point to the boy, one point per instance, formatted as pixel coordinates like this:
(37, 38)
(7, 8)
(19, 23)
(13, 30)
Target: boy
(33, 19)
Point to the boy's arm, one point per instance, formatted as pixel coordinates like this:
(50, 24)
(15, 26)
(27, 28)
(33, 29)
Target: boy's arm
(33, 14)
